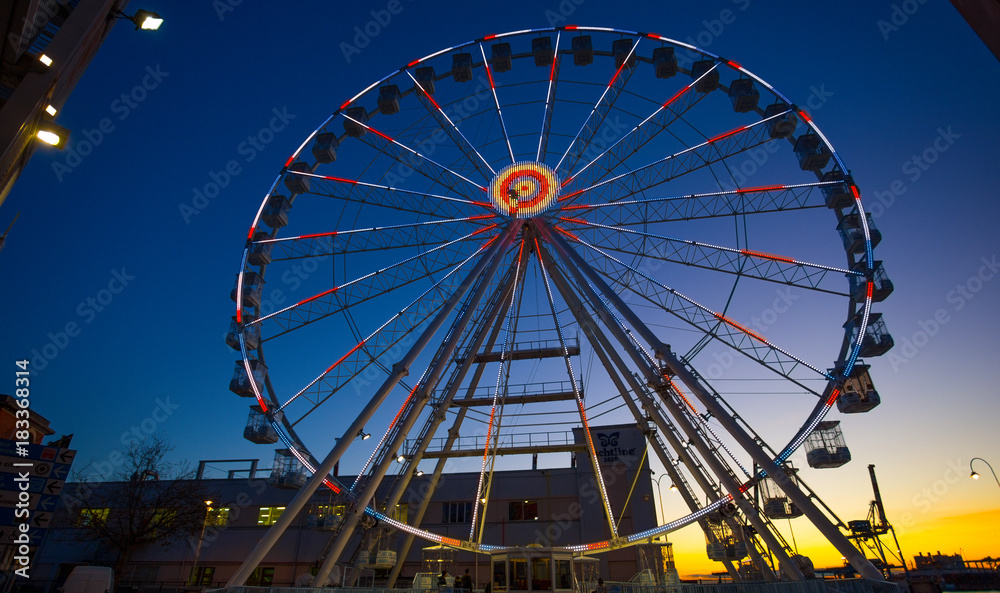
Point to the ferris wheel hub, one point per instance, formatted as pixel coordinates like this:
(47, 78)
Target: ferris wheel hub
(524, 189)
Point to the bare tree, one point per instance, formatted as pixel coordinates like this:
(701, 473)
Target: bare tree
(146, 500)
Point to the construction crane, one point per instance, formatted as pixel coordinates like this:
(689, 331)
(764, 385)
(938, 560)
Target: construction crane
(867, 533)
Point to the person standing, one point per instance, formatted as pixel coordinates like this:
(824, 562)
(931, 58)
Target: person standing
(466, 582)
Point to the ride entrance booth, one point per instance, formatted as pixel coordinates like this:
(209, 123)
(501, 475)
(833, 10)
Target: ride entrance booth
(523, 570)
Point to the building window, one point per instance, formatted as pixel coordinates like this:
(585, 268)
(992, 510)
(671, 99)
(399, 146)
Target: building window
(219, 517)
(90, 517)
(523, 510)
(402, 512)
(456, 512)
(269, 515)
(144, 573)
(202, 575)
(262, 576)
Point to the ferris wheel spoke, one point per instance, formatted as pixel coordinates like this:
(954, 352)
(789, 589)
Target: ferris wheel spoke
(550, 98)
(451, 128)
(426, 166)
(496, 102)
(372, 285)
(751, 200)
(351, 241)
(382, 340)
(588, 130)
(645, 131)
(713, 150)
(728, 331)
(731, 260)
(395, 198)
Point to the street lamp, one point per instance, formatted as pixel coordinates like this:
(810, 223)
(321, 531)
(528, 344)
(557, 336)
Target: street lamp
(663, 516)
(975, 476)
(201, 538)
(143, 19)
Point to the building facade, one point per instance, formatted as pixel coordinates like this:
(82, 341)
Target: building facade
(549, 507)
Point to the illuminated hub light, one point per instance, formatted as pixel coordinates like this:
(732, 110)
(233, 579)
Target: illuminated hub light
(523, 190)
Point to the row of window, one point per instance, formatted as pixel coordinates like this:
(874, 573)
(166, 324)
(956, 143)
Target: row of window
(452, 512)
(461, 512)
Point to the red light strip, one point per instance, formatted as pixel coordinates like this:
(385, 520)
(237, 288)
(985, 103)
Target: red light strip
(677, 96)
(741, 328)
(483, 204)
(871, 289)
(833, 397)
(568, 196)
(380, 134)
(346, 103)
(805, 116)
(571, 27)
(733, 64)
(574, 220)
(289, 161)
(408, 398)
(565, 232)
(331, 486)
(681, 394)
(260, 402)
(598, 545)
(489, 75)
(747, 190)
(727, 134)
(484, 229)
(413, 63)
(856, 192)
(552, 71)
(767, 256)
(450, 541)
(652, 35)
(342, 358)
(313, 298)
(250, 234)
(341, 179)
(577, 207)
(331, 234)
(488, 37)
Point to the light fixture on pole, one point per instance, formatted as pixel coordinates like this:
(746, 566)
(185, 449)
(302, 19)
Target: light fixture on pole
(364, 435)
(143, 19)
(975, 476)
(52, 134)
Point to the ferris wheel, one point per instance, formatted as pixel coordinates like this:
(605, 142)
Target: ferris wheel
(469, 245)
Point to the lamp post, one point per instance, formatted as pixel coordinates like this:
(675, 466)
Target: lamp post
(975, 476)
(201, 538)
(663, 516)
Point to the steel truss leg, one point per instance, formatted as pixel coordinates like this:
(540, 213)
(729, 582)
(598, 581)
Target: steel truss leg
(663, 352)
(423, 393)
(721, 471)
(400, 369)
(613, 364)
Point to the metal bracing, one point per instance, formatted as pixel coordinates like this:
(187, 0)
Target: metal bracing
(820, 520)
(581, 272)
(400, 369)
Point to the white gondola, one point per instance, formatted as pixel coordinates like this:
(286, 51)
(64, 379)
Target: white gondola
(461, 67)
(253, 287)
(298, 184)
(500, 57)
(241, 383)
(744, 95)
(542, 50)
(260, 253)
(251, 333)
(664, 62)
(287, 471)
(275, 214)
(825, 447)
(352, 123)
(781, 120)
(877, 339)
(325, 147)
(388, 99)
(425, 76)
(259, 428)
(710, 81)
(852, 233)
(812, 153)
(882, 286)
(858, 394)
(583, 50)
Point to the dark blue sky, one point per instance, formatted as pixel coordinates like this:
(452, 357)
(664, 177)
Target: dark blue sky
(116, 243)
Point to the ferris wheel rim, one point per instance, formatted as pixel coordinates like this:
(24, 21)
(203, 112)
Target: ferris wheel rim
(848, 357)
